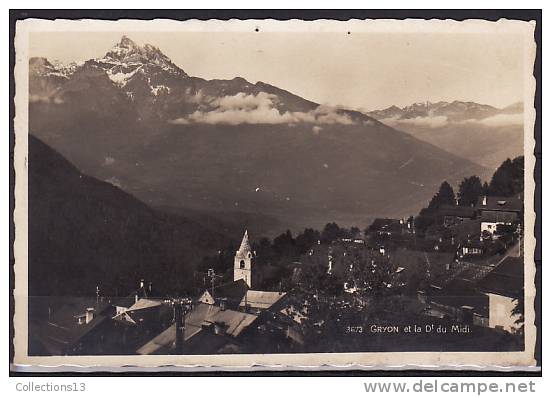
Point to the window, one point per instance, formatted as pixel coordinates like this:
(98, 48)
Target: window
(242, 264)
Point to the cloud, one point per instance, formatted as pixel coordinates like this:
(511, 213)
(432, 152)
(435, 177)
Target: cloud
(261, 108)
(179, 121)
(429, 121)
(500, 120)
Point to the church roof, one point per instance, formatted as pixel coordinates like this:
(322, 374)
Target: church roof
(261, 299)
(245, 246)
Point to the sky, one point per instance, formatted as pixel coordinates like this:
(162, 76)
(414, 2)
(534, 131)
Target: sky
(360, 70)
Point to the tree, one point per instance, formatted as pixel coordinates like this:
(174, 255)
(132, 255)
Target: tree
(371, 274)
(428, 216)
(355, 232)
(306, 240)
(508, 179)
(444, 196)
(284, 245)
(469, 191)
(264, 250)
(331, 232)
(485, 188)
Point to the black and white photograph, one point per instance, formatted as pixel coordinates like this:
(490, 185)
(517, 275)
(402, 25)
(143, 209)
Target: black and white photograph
(274, 192)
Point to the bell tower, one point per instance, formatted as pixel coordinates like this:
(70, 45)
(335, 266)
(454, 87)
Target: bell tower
(243, 261)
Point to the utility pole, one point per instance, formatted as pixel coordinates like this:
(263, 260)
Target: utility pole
(181, 307)
(211, 274)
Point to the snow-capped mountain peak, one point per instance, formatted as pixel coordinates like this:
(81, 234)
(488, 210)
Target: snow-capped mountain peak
(127, 54)
(45, 68)
(456, 110)
(128, 61)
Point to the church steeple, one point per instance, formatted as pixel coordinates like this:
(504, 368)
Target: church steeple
(243, 261)
(245, 246)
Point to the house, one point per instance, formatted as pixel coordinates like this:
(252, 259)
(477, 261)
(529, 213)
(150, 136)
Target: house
(471, 248)
(138, 323)
(458, 300)
(61, 326)
(385, 226)
(123, 303)
(416, 266)
(255, 301)
(498, 210)
(207, 329)
(503, 286)
(454, 214)
(231, 293)
(139, 311)
(206, 298)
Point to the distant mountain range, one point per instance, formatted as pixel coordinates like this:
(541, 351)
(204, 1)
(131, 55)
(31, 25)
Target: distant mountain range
(137, 120)
(481, 133)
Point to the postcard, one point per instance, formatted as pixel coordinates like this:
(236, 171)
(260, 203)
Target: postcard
(274, 195)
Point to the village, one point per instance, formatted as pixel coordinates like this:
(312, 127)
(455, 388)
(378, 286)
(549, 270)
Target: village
(337, 292)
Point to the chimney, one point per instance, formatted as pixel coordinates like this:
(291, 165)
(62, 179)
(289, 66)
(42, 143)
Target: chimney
(150, 288)
(89, 315)
(136, 297)
(484, 200)
(219, 328)
(141, 284)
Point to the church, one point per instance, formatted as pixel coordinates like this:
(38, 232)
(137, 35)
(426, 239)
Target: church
(243, 262)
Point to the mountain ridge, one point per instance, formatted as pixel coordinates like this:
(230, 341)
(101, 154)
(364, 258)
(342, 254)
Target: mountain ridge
(175, 140)
(456, 110)
(99, 235)
(481, 133)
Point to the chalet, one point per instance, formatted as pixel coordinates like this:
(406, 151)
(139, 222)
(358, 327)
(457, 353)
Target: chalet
(206, 298)
(67, 325)
(470, 248)
(415, 265)
(208, 329)
(498, 210)
(137, 312)
(256, 301)
(458, 300)
(454, 214)
(503, 286)
(231, 293)
(388, 227)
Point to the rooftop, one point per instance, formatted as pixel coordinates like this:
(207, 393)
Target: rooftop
(457, 211)
(202, 315)
(506, 204)
(261, 299)
(460, 293)
(507, 279)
